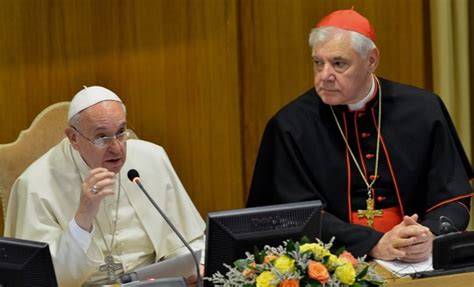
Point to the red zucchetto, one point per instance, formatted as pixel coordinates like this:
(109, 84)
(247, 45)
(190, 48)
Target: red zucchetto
(348, 20)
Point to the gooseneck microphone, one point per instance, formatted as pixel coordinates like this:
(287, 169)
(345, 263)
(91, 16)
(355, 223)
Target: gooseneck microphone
(135, 177)
(446, 225)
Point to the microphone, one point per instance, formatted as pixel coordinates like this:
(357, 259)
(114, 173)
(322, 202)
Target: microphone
(446, 225)
(135, 177)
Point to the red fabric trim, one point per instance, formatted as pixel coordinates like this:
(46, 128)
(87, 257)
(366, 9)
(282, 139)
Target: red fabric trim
(392, 174)
(348, 164)
(467, 208)
(448, 201)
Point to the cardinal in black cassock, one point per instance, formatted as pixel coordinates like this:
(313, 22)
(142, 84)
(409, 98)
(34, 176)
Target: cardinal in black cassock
(416, 165)
(423, 168)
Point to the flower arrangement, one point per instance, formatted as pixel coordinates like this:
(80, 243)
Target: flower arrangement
(298, 264)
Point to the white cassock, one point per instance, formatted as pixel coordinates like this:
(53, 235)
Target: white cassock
(45, 198)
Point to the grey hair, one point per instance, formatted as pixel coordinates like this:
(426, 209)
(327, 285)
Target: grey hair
(360, 43)
(76, 119)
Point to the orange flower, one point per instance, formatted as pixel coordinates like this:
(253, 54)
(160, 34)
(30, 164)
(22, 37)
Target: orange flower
(269, 258)
(347, 256)
(318, 271)
(249, 272)
(289, 283)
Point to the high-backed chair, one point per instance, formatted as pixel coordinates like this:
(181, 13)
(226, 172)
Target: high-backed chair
(46, 131)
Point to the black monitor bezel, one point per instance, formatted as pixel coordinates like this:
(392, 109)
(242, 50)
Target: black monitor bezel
(290, 233)
(35, 268)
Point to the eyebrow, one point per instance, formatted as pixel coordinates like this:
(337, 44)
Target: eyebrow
(336, 58)
(102, 129)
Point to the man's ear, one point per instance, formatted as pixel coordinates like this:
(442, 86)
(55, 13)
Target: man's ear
(373, 59)
(72, 136)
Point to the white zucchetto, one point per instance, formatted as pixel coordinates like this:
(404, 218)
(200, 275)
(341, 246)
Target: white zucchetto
(88, 97)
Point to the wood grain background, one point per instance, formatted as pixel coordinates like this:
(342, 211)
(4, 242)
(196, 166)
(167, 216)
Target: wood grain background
(201, 78)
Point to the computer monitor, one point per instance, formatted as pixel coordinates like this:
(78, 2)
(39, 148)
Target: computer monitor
(25, 263)
(231, 233)
(454, 250)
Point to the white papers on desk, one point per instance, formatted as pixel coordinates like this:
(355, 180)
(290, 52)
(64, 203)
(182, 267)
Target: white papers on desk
(181, 266)
(403, 268)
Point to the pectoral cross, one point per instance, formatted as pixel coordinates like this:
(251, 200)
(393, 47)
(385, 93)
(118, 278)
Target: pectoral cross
(110, 266)
(370, 213)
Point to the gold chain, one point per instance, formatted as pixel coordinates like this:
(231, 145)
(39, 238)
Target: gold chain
(109, 250)
(377, 153)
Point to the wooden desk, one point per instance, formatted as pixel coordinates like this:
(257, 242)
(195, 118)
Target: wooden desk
(454, 280)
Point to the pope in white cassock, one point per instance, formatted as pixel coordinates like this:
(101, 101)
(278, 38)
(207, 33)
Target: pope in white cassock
(78, 199)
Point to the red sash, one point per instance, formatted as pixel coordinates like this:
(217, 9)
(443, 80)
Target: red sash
(391, 217)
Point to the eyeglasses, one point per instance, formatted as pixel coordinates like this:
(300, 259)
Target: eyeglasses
(103, 142)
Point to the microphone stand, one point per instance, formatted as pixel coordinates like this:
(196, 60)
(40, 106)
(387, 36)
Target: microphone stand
(199, 283)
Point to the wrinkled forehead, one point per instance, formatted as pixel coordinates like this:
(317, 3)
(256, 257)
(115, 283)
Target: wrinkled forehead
(106, 115)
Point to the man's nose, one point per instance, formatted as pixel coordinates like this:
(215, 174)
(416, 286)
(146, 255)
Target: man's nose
(115, 144)
(327, 73)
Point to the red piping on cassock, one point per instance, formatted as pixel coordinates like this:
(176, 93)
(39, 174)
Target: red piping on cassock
(392, 174)
(451, 200)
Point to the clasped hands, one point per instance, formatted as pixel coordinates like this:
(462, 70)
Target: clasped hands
(408, 241)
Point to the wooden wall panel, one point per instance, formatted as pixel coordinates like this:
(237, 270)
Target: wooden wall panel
(471, 73)
(276, 58)
(174, 63)
(199, 77)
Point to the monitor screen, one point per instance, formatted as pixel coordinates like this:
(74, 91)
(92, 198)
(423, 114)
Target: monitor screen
(25, 263)
(231, 233)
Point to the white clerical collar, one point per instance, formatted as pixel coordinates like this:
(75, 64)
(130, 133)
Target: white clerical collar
(361, 104)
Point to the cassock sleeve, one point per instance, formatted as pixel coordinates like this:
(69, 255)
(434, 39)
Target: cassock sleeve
(280, 176)
(457, 142)
(455, 211)
(28, 217)
(448, 177)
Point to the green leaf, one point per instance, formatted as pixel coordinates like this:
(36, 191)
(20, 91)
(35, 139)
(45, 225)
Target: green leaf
(304, 240)
(326, 259)
(362, 273)
(313, 282)
(241, 264)
(339, 251)
(290, 246)
(259, 255)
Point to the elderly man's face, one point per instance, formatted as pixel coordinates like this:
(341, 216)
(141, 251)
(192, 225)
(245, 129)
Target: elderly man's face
(341, 76)
(105, 119)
